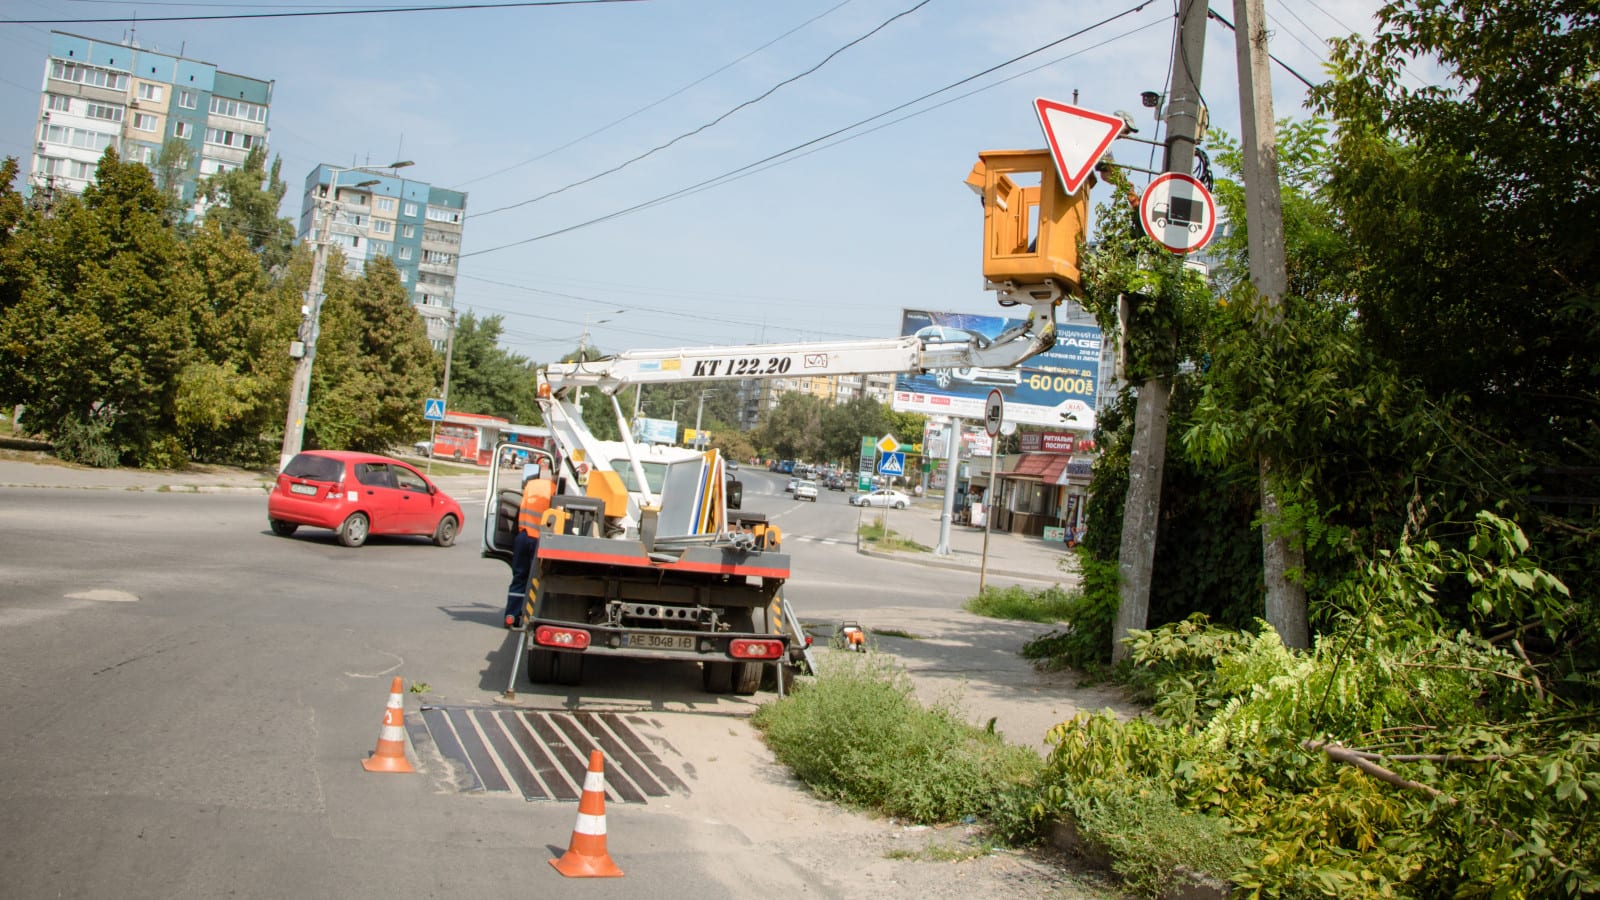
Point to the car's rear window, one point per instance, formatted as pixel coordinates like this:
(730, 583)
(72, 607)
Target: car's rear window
(315, 468)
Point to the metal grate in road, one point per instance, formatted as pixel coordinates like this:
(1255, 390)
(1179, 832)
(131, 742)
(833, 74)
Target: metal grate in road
(544, 755)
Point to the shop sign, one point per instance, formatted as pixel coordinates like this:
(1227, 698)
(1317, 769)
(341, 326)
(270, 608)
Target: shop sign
(1048, 441)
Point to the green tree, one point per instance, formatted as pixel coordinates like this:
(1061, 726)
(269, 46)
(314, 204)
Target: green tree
(171, 164)
(374, 364)
(844, 425)
(1469, 217)
(231, 397)
(245, 201)
(487, 379)
(99, 332)
(792, 429)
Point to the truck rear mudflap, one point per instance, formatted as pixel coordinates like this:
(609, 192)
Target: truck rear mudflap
(595, 639)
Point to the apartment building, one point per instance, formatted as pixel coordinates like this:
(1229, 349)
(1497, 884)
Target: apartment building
(376, 212)
(99, 94)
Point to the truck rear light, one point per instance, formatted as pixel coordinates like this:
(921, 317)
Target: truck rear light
(568, 638)
(748, 649)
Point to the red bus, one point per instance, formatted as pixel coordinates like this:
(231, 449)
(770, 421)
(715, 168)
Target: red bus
(468, 437)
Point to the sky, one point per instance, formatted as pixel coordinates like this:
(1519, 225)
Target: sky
(550, 118)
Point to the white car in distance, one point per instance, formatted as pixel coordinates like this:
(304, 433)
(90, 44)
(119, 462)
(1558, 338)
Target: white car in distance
(885, 497)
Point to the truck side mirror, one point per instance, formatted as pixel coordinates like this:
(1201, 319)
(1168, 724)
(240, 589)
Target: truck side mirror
(735, 494)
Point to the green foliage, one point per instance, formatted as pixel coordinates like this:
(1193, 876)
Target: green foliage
(1091, 613)
(374, 366)
(230, 397)
(1509, 386)
(135, 337)
(1150, 838)
(1496, 769)
(1170, 304)
(488, 380)
(857, 735)
(1050, 605)
(97, 329)
(86, 442)
(792, 429)
(244, 201)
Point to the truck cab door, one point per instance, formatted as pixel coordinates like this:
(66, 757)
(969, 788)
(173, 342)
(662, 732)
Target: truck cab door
(500, 505)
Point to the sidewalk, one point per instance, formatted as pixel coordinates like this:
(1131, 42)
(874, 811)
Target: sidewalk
(1012, 555)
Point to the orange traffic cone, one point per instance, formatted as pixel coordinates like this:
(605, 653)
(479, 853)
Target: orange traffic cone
(586, 856)
(391, 753)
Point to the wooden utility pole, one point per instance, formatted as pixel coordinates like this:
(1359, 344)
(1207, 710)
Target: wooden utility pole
(1282, 551)
(1148, 455)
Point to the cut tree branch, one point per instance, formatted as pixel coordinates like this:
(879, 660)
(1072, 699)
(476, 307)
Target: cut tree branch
(1356, 758)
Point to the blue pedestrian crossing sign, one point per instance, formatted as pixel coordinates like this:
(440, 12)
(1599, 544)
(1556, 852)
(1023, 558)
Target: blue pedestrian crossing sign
(892, 464)
(433, 410)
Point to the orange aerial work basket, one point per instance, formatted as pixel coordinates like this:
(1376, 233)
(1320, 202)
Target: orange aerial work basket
(1031, 225)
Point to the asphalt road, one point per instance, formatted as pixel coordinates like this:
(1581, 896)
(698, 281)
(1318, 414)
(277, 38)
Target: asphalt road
(188, 698)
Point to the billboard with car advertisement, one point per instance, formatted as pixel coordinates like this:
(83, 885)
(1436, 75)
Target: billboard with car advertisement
(1056, 388)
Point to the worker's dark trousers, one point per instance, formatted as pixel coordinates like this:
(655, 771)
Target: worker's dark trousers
(523, 552)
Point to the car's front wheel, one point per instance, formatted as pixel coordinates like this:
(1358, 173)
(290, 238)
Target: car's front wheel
(445, 534)
(900, 504)
(353, 531)
(282, 528)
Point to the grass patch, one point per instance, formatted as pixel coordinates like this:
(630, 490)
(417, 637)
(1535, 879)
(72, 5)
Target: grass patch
(894, 633)
(1150, 838)
(1049, 606)
(858, 736)
(882, 538)
(940, 853)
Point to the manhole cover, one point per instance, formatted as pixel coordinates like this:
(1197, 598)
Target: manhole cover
(544, 755)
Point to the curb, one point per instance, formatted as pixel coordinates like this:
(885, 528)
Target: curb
(147, 488)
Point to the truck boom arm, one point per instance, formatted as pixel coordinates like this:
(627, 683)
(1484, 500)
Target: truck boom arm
(1034, 335)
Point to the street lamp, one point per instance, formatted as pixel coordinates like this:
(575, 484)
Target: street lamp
(305, 349)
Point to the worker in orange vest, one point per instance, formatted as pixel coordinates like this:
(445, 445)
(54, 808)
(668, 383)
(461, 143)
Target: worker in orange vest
(538, 487)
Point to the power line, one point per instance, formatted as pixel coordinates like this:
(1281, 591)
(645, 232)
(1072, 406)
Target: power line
(673, 195)
(371, 11)
(925, 110)
(649, 106)
(694, 131)
(1281, 64)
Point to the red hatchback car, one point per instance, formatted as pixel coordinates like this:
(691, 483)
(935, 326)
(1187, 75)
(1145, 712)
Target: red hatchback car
(360, 494)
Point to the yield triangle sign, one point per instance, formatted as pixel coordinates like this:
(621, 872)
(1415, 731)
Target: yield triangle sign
(1078, 138)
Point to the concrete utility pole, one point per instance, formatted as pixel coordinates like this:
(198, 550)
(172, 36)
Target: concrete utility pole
(1281, 552)
(1148, 455)
(699, 436)
(294, 426)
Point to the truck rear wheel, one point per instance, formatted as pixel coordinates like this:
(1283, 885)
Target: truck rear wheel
(541, 666)
(717, 676)
(746, 678)
(568, 668)
(741, 678)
